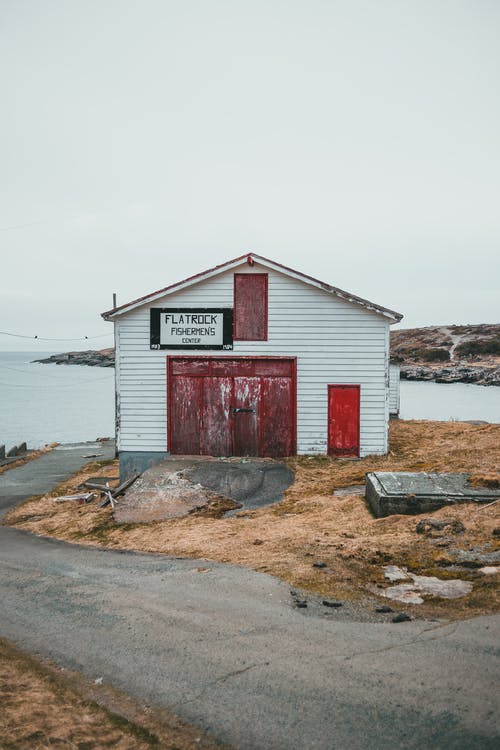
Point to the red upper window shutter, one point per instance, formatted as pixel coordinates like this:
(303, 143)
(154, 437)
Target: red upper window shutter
(250, 306)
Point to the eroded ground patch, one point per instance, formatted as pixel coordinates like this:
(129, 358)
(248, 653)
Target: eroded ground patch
(179, 486)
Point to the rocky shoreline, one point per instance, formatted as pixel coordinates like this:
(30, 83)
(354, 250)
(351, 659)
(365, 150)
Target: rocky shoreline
(458, 373)
(102, 358)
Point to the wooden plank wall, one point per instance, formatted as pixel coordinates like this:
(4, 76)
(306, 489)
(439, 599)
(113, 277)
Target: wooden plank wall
(335, 342)
(394, 389)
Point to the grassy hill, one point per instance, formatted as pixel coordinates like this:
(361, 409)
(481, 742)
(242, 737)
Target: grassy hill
(449, 354)
(447, 344)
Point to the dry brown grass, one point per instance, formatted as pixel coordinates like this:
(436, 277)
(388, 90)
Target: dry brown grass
(485, 480)
(43, 707)
(311, 524)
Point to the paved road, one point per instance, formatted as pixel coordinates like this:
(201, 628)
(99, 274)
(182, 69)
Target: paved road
(226, 651)
(42, 474)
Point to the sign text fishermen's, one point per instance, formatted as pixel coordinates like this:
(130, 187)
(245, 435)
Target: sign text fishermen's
(191, 328)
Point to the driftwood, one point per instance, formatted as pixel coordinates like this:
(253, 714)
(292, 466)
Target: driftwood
(125, 485)
(482, 507)
(96, 486)
(83, 497)
(109, 494)
(108, 498)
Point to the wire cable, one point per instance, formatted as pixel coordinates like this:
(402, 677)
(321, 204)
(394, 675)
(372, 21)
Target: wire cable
(38, 372)
(43, 338)
(75, 384)
(22, 226)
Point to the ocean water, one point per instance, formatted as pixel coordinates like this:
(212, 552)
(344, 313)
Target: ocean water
(45, 403)
(447, 401)
(41, 404)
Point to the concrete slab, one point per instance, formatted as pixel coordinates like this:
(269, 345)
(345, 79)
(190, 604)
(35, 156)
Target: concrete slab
(182, 484)
(252, 482)
(162, 493)
(411, 493)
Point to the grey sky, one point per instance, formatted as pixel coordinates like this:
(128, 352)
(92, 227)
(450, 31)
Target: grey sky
(143, 141)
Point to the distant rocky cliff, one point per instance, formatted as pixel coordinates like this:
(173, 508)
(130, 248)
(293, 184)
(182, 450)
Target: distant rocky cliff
(449, 354)
(102, 358)
(452, 374)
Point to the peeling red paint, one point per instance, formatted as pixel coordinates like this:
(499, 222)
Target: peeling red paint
(343, 420)
(250, 306)
(231, 406)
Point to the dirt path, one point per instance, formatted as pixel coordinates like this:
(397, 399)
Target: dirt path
(455, 338)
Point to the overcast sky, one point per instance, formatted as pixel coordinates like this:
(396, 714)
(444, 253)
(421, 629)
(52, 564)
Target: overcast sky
(142, 141)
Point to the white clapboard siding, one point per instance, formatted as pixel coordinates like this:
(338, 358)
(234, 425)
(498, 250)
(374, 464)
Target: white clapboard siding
(394, 389)
(335, 341)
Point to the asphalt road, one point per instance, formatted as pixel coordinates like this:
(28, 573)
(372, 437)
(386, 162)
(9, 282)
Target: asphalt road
(42, 474)
(224, 648)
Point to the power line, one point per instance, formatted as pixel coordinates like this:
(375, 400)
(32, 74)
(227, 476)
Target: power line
(43, 338)
(76, 384)
(36, 371)
(22, 226)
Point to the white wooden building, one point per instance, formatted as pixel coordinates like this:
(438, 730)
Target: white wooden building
(225, 364)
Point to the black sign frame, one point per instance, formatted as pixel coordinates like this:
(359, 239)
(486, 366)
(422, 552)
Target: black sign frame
(227, 328)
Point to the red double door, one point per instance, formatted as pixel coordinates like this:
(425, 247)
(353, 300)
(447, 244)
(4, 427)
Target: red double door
(231, 406)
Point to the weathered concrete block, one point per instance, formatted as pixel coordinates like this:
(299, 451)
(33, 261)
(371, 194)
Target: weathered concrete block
(136, 462)
(12, 452)
(22, 448)
(411, 493)
(2, 452)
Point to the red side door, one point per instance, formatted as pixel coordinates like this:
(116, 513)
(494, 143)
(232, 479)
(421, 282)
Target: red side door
(343, 420)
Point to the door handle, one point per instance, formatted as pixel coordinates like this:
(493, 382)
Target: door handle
(250, 410)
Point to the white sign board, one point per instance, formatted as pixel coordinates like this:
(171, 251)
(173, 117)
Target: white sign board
(202, 328)
(189, 328)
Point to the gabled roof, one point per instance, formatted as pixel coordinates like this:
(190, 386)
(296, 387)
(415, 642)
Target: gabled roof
(250, 258)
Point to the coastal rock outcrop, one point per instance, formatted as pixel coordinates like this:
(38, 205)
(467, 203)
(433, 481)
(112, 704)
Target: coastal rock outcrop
(452, 374)
(449, 354)
(102, 358)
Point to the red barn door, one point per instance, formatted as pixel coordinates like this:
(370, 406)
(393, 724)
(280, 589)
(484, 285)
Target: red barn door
(343, 420)
(234, 406)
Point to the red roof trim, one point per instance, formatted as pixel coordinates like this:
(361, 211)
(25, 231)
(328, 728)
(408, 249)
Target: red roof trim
(333, 289)
(172, 286)
(327, 287)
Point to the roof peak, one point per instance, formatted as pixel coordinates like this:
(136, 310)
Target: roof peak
(251, 258)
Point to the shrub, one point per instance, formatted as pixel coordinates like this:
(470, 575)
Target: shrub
(431, 355)
(479, 346)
